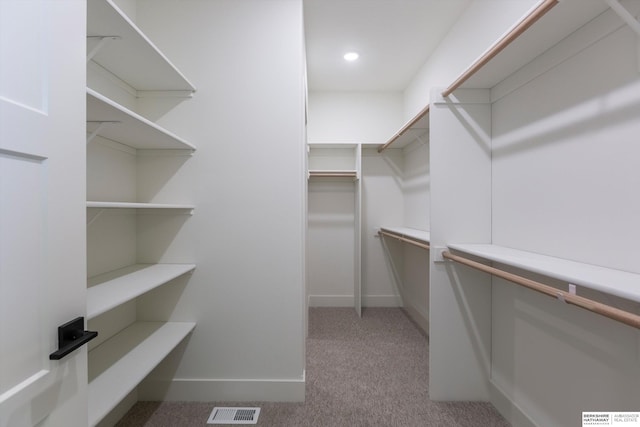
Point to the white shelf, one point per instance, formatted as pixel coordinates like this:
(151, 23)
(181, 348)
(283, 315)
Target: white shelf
(109, 290)
(133, 58)
(614, 282)
(127, 127)
(410, 233)
(131, 205)
(563, 19)
(119, 364)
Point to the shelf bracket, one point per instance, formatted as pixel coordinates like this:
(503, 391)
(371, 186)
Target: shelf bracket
(95, 217)
(101, 125)
(629, 19)
(103, 41)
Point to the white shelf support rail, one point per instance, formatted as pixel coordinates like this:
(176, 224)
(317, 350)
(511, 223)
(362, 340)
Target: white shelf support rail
(101, 125)
(102, 43)
(569, 297)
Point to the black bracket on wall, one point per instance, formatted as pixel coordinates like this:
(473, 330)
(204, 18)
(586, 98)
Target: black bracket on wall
(71, 336)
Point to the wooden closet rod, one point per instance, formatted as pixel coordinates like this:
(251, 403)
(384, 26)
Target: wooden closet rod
(404, 239)
(333, 174)
(527, 22)
(594, 306)
(410, 123)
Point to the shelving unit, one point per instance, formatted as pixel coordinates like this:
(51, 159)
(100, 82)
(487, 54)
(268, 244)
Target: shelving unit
(109, 290)
(331, 162)
(122, 60)
(515, 111)
(614, 282)
(119, 364)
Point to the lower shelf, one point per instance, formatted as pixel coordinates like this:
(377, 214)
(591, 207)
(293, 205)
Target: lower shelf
(119, 364)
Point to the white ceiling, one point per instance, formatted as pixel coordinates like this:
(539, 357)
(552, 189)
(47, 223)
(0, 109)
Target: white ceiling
(393, 37)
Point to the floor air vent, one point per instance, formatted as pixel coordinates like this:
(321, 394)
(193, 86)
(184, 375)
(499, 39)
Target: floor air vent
(234, 416)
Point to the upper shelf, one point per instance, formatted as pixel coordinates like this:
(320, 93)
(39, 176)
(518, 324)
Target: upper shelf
(547, 23)
(131, 55)
(413, 129)
(125, 126)
(614, 282)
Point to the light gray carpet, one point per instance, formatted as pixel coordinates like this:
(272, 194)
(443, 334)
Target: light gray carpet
(369, 371)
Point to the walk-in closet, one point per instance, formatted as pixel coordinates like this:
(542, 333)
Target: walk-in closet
(203, 204)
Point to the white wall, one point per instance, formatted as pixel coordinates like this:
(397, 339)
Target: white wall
(331, 244)
(246, 118)
(354, 116)
(565, 179)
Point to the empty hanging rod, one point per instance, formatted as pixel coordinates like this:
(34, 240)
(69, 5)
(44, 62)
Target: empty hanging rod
(593, 306)
(505, 41)
(405, 239)
(404, 128)
(331, 174)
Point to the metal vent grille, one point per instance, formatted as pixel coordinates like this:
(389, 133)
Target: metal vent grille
(221, 415)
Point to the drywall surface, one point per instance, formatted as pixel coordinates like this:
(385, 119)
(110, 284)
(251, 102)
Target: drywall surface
(565, 179)
(331, 243)
(246, 119)
(354, 116)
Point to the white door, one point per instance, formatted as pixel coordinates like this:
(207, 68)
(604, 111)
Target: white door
(42, 213)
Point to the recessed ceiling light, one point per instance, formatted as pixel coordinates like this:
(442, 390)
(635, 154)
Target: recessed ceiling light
(351, 56)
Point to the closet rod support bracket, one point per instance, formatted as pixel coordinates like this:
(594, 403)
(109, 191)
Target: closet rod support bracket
(438, 250)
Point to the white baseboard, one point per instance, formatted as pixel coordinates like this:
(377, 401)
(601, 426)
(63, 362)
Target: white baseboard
(508, 409)
(331, 301)
(348, 301)
(223, 390)
(418, 317)
(381, 301)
